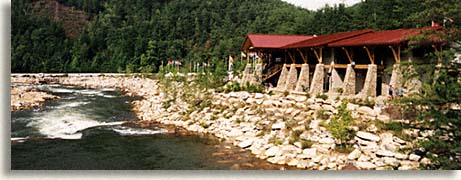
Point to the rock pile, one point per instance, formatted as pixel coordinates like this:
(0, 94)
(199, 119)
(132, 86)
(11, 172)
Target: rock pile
(282, 130)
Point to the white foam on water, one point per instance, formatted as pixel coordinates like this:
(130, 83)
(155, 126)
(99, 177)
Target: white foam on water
(72, 104)
(19, 139)
(108, 89)
(60, 123)
(109, 96)
(91, 92)
(60, 90)
(127, 131)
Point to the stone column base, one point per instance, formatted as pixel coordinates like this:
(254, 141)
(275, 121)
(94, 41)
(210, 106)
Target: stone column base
(281, 83)
(349, 81)
(369, 88)
(292, 78)
(303, 80)
(317, 81)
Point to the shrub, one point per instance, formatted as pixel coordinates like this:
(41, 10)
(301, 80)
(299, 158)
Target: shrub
(322, 114)
(322, 96)
(340, 122)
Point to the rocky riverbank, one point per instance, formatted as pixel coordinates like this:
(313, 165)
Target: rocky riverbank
(281, 129)
(24, 97)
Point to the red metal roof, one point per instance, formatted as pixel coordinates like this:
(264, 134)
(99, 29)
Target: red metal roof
(325, 39)
(388, 37)
(271, 41)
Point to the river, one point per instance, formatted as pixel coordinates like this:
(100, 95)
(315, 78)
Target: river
(83, 131)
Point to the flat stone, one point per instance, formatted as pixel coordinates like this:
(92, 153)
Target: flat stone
(259, 96)
(246, 143)
(354, 154)
(408, 165)
(302, 164)
(234, 94)
(364, 158)
(365, 110)
(300, 98)
(272, 151)
(328, 108)
(352, 107)
(293, 162)
(400, 156)
(327, 141)
(278, 126)
(391, 161)
(310, 152)
(244, 95)
(317, 159)
(414, 157)
(385, 153)
(368, 136)
(365, 165)
(425, 161)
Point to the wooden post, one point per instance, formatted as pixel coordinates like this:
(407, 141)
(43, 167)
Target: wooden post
(291, 57)
(259, 56)
(319, 54)
(396, 53)
(350, 56)
(248, 57)
(370, 55)
(302, 56)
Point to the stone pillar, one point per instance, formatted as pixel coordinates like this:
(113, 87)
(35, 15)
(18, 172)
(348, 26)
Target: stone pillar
(369, 88)
(396, 77)
(335, 81)
(303, 80)
(292, 78)
(349, 81)
(257, 74)
(246, 72)
(317, 81)
(282, 79)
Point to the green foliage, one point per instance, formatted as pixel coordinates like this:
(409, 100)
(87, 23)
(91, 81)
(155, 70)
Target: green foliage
(364, 102)
(143, 35)
(322, 96)
(437, 105)
(322, 114)
(344, 148)
(339, 124)
(275, 140)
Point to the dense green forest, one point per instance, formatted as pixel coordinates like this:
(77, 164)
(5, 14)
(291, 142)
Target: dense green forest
(140, 35)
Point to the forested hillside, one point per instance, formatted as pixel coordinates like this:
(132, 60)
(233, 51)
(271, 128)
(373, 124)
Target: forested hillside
(138, 35)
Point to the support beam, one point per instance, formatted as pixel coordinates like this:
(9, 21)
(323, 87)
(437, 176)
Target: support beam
(319, 54)
(302, 56)
(291, 57)
(259, 57)
(371, 55)
(349, 55)
(396, 53)
(248, 57)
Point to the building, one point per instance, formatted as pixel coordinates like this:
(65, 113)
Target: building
(358, 63)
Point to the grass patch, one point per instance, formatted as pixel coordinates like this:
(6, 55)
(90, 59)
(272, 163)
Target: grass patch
(344, 148)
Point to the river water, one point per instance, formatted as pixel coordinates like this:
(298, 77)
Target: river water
(83, 130)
